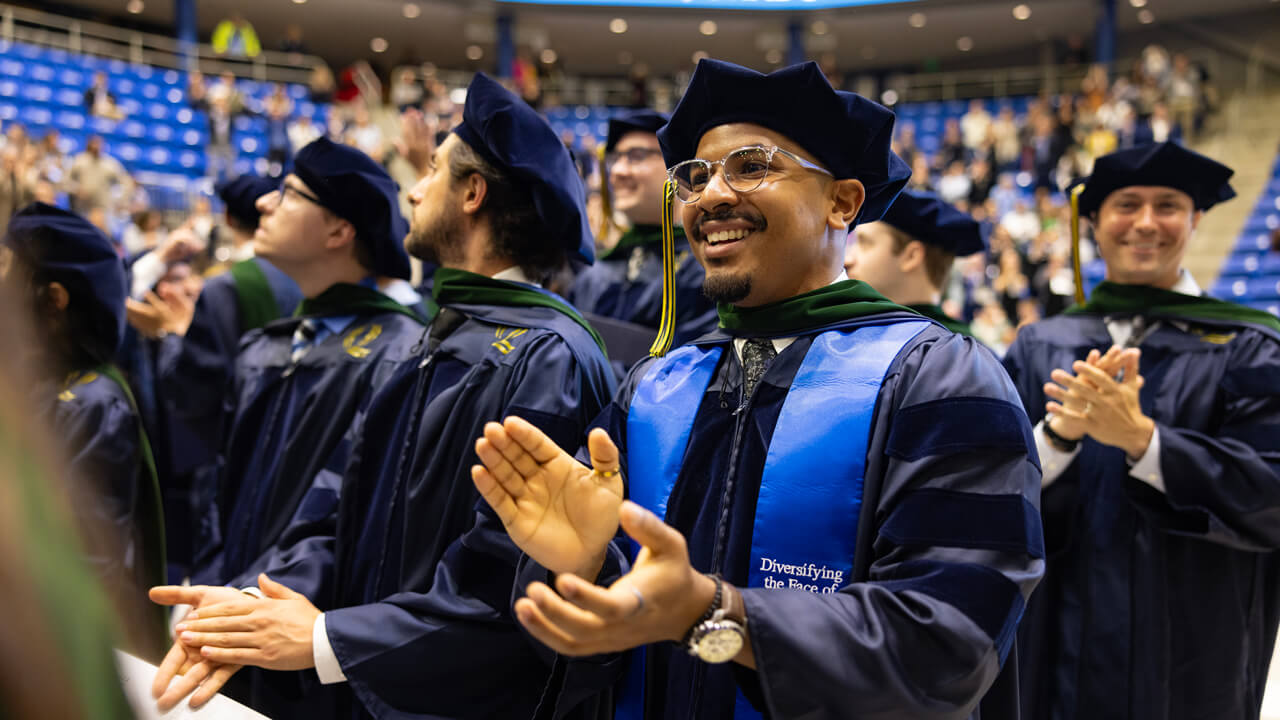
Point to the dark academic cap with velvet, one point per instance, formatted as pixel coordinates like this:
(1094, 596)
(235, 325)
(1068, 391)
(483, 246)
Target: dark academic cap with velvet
(355, 188)
(646, 121)
(925, 217)
(69, 250)
(240, 196)
(515, 139)
(1165, 164)
(847, 133)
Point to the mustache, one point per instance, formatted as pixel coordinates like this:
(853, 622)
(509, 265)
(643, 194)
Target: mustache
(757, 221)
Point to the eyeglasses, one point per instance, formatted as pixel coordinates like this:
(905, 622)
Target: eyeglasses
(634, 156)
(744, 170)
(286, 188)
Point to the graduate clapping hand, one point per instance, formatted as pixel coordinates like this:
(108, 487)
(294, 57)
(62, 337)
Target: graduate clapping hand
(1093, 402)
(232, 629)
(563, 514)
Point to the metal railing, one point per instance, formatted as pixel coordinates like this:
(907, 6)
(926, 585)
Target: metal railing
(81, 36)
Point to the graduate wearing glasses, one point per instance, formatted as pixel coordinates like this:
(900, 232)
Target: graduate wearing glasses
(333, 226)
(625, 283)
(832, 502)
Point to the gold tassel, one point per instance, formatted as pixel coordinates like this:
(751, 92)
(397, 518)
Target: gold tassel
(606, 202)
(1076, 273)
(667, 326)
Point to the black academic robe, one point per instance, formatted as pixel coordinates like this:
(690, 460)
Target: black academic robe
(627, 285)
(287, 423)
(948, 544)
(192, 375)
(97, 428)
(1160, 605)
(420, 616)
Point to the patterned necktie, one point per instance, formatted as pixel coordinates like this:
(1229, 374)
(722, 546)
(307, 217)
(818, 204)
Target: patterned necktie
(303, 338)
(757, 353)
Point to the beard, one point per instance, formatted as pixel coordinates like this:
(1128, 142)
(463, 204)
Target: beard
(726, 288)
(439, 241)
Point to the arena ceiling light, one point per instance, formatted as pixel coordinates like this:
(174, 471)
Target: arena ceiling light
(548, 56)
(134, 6)
(1022, 12)
(379, 45)
(1138, 3)
(411, 10)
(964, 43)
(1146, 17)
(773, 57)
(474, 52)
(707, 27)
(819, 27)
(917, 20)
(699, 56)
(617, 26)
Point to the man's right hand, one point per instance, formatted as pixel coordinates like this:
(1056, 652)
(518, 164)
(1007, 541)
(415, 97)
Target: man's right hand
(557, 510)
(184, 671)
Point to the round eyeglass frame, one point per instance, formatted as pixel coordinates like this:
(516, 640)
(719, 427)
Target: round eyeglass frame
(750, 185)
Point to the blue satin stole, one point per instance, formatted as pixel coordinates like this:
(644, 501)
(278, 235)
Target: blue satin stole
(806, 521)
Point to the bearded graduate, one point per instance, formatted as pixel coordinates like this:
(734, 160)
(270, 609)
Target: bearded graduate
(416, 590)
(833, 499)
(1156, 410)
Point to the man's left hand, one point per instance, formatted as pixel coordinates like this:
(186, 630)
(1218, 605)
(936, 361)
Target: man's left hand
(272, 633)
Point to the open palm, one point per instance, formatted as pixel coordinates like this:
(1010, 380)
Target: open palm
(557, 510)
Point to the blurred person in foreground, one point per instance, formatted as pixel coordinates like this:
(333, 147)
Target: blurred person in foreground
(1156, 410)
(69, 278)
(801, 552)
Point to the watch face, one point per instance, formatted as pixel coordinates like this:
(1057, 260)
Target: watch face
(720, 643)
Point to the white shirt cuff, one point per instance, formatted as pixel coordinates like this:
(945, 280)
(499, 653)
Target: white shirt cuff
(1053, 462)
(1147, 467)
(256, 592)
(147, 271)
(328, 669)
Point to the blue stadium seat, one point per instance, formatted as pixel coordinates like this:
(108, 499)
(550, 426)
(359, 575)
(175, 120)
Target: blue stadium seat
(10, 68)
(69, 120)
(36, 93)
(68, 97)
(40, 72)
(35, 116)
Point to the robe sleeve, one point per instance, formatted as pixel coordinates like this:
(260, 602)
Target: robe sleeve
(193, 371)
(1224, 486)
(952, 486)
(461, 638)
(101, 435)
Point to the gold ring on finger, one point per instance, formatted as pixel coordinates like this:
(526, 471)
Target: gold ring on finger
(606, 474)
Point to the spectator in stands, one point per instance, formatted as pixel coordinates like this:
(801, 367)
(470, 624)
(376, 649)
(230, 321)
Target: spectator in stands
(292, 41)
(975, 124)
(52, 164)
(302, 131)
(364, 134)
(1053, 283)
(93, 176)
(952, 148)
(954, 185)
(278, 107)
(1010, 284)
(220, 152)
(15, 192)
(225, 91)
(235, 37)
(99, 101)
(1023, 223)
(920, 179)
(16, 137)
(905, 144)
(981, 181)
(406, 91)
(197, 91)
(321, 86)
(145, 232)
(1160, 127)
(1004, 134)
